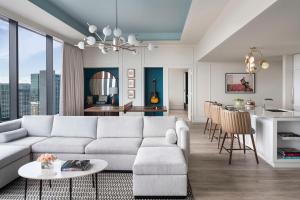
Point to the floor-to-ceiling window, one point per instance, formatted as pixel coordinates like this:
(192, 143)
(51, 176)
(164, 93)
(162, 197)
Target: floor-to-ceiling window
(32, 73)
(57, 67)
(4, 70)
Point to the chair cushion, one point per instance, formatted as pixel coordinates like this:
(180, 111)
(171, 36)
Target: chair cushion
(13, 135)
(27, 141)
(61, 145)
(128, 146)
(156, 142)
(120, 127)
(74, 126)
(11, 153)
(157, 126)
(40, 125)
(160, 161)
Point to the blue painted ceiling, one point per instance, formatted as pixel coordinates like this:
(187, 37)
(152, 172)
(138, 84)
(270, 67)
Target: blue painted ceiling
(148, 19)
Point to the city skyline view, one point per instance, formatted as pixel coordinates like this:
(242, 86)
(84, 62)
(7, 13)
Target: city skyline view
(32, 72)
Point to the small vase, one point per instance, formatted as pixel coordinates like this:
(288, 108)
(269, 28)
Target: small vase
(47, 165)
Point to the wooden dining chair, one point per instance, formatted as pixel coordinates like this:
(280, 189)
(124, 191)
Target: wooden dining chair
(216, 121)
(237, 123)
(207, 105)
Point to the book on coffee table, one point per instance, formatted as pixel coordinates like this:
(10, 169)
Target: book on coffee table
(76, 165)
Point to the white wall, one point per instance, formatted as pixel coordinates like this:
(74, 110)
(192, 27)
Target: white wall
(166, 56)
(209, 84)
(287, 82)
(176, 88)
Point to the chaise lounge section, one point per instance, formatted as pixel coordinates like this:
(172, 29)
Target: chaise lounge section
(136, 144)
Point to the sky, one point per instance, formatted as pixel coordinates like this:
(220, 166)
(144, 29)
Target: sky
(32, 54)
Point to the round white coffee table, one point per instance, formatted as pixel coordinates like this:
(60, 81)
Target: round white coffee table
(33, 170)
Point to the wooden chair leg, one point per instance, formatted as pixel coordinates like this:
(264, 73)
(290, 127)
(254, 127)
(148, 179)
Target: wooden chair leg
(206, 126)
(254, 148)
(231, 147)
(238, 137)
(219, 139)
(223, 142)
(244, 144)
(213, 135)
(210, 128)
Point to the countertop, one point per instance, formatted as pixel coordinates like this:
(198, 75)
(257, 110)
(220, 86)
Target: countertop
(260, 112)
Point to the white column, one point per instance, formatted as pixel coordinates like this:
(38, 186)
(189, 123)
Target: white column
(297, 82)
(287, 81)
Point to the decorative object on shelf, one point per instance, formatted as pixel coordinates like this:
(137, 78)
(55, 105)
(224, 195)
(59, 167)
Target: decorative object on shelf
(131, 73)
(250, 105)
(90, 100)
(239, 103)
(154, 96)
(46, 160)
(113, 91)
(131, 94)
(131, 83)
(239, 83)
(107, 43)
(254, 61)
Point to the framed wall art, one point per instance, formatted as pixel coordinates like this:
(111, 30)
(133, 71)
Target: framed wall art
(131, 94)
(131, 73)
(239, 83)
(131, 83)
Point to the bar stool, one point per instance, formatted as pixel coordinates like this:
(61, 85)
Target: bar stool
(238, 123)
(207, 105)
(216, 120)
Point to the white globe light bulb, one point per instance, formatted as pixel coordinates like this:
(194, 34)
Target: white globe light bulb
(150, 47)
(265, 65)
(251, 59)
(101, 46)
(131, 39)
(92, 28)
(117, 32)
(91, 40)
(107, 31)
(104, 51)
(80, 45)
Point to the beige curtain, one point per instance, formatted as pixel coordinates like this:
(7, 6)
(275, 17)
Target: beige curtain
(72, 87)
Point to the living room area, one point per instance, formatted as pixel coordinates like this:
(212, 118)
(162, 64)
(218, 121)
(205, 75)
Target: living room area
(139, 99)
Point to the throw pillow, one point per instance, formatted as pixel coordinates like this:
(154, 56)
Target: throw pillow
(12, 135)
(171, 136)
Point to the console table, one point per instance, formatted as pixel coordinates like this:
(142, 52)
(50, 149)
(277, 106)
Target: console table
(115, 110)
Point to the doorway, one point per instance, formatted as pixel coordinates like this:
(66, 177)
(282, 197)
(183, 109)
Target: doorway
(178, 91)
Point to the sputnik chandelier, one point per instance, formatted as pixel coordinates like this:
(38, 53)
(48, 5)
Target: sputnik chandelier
(254, 61)
(107, 43)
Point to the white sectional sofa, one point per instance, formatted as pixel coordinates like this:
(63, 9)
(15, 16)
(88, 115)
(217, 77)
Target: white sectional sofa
(136, 144)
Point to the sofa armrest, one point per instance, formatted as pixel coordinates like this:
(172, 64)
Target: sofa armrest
(183, 135)
(10, 125)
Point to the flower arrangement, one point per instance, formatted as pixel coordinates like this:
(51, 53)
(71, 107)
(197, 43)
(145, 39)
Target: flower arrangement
(46, 160)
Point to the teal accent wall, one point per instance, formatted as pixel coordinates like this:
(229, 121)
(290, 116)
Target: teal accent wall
(89, 72)
(150, 74)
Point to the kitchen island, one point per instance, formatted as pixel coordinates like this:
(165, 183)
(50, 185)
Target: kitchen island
(267, 125)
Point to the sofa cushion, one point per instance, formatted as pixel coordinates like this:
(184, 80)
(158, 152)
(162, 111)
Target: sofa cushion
(157, 126)
(156, 142)
(27, 141)
(38, 125)
(11, 153)
(159, 161)
(120, 127)
(61, 145)
(128, 146)
(74, 126)
(12, 135)
(10, 125)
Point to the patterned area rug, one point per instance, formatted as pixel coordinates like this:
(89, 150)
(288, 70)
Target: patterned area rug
(112, 186)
